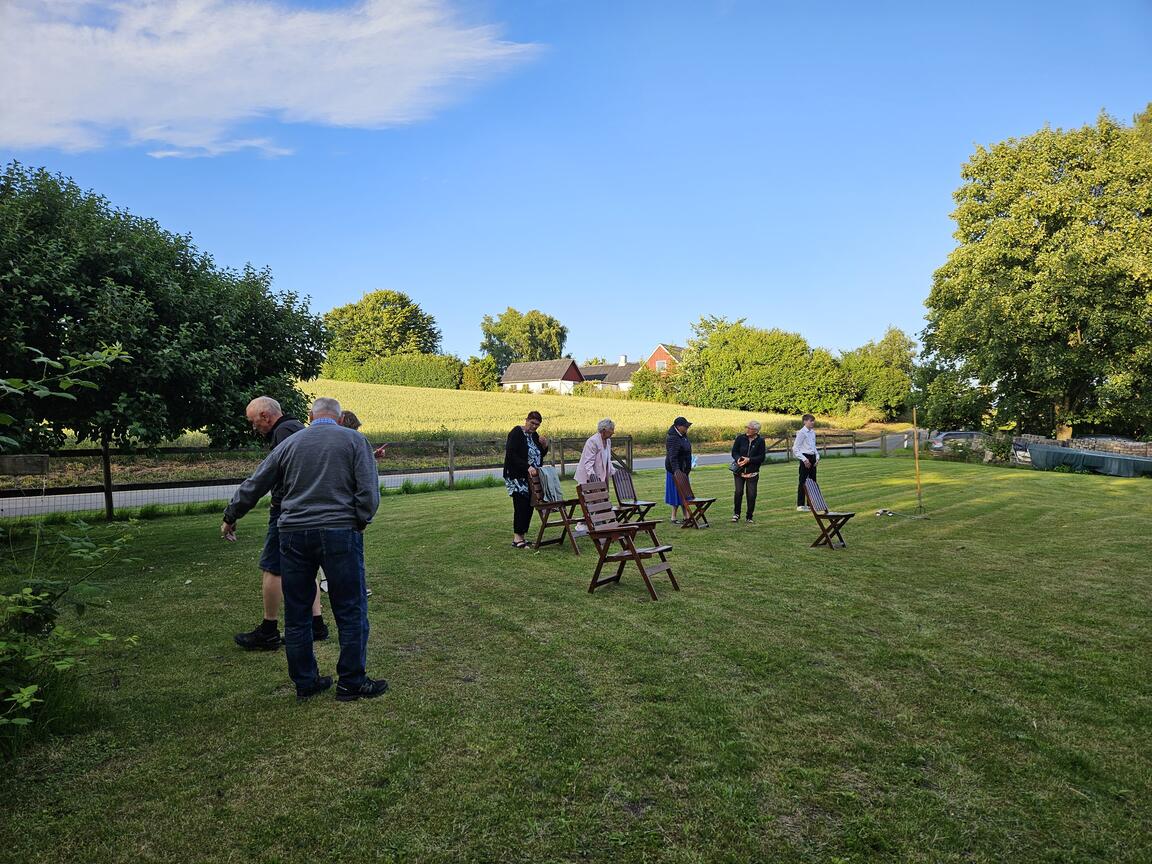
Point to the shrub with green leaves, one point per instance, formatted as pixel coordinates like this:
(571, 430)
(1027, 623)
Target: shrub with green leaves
(442, 371)
(39, 647)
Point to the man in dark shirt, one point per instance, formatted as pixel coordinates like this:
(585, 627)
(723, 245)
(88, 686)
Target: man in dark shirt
(267, 418)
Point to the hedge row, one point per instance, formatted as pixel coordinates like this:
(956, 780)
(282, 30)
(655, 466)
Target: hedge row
(406, 370)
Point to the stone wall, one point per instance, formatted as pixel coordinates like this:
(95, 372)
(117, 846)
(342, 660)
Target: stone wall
(1103, 445)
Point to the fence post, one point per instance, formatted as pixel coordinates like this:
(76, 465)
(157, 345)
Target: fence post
(561, 445)
(883, 443)
(451, 463)
(106, 462)
(853, 442)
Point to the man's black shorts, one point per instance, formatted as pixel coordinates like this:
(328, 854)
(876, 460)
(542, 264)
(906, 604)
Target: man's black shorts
(270, 557)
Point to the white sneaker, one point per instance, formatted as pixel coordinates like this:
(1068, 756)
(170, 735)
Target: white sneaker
(802, 509)
(736, 518)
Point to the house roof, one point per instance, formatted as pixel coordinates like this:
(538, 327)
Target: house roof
(538, 370)
(609, 373)
(619, 374)
(596, 371)
(675, 350)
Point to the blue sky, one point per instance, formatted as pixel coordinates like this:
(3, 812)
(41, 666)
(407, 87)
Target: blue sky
(624, 166)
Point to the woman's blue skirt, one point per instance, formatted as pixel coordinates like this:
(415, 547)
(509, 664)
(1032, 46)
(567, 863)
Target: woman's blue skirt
(671, 496)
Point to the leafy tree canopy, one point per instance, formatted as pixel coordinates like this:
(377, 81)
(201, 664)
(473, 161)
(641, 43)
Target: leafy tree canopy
(595, 361)
(731, 365)
(76, 274)
(880, 373)
(380, 324)
(516, 337)
(480, 373)
(1047, 301)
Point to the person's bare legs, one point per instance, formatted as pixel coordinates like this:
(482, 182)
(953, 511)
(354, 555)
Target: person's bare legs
(274, 597)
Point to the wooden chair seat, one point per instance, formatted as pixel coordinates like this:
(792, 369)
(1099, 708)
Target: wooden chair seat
(606, 530)
(628, 505)
(694, 508)
(829, 521)
(562, 511)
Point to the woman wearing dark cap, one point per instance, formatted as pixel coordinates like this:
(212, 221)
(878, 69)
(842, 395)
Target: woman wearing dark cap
(523, 455)
(677, 457)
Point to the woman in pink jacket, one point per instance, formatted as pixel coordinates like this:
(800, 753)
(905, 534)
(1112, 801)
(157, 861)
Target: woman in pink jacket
(596, 458)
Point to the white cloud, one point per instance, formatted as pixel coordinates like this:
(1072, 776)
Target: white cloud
(184, 77)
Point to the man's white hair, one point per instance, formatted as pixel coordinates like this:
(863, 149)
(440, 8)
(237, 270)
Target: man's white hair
(754, 425)
(606, 423)
(267, 404)
(326, 405)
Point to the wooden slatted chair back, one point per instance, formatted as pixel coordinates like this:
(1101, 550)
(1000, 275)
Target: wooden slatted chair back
(683, 486)
(815, 499)
(596, 504)
(625, 490)
(535, 490)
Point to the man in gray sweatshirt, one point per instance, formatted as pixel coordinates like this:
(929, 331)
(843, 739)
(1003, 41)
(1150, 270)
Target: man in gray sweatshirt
(331, 490)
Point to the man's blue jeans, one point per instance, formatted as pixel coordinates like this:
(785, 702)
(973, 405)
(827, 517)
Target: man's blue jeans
(340, 551)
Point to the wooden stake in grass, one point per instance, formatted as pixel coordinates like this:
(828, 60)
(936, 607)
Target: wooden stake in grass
(916, 459)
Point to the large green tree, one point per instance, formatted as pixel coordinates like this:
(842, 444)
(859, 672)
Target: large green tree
(880, 373)
(515, 337)
(1047, 301)
(76, 274)
(731, 365)
(380, 324)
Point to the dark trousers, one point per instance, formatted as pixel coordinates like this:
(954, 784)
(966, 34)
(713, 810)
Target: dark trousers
(745, 484)
(340, 551)
(521, 514)
(805, 473)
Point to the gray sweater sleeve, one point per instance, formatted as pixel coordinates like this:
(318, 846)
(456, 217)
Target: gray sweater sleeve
(254, 488)
(367, 484)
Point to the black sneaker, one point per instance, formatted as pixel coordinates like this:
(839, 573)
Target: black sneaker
(322, 684)
(319, 631)
(259, 640)
(368, 690)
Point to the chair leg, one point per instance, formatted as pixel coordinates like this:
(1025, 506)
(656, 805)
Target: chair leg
(568, 523)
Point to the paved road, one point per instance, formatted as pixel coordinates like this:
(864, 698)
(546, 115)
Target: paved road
(39, 505)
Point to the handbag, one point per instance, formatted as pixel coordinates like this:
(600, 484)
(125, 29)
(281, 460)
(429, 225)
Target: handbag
(734, 467)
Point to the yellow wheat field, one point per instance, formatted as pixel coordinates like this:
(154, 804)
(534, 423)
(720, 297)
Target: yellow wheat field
(407, 413)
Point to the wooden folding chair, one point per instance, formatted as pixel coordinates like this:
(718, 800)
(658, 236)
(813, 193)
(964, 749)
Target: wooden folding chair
(694, 508)
(629, 505)
(545, 509)
(829, 521)
(605, 531)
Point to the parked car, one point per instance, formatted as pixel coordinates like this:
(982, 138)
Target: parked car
(941, 440)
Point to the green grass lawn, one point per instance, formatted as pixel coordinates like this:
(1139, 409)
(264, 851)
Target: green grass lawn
(971, 687)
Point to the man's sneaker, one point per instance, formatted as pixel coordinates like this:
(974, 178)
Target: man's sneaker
(749, 521)
(801, 509)
(736, 517)
(259, 640)
(319, 631)
(368, 690)
(322, 684)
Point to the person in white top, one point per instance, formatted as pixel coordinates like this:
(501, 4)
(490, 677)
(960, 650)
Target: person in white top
(805, 450)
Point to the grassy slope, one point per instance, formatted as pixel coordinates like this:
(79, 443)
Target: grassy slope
(969, 687)
(411, 412)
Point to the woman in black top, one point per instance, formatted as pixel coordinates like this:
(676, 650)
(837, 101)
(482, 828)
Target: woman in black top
(677, 457)
(523, 455)
(748, 452)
